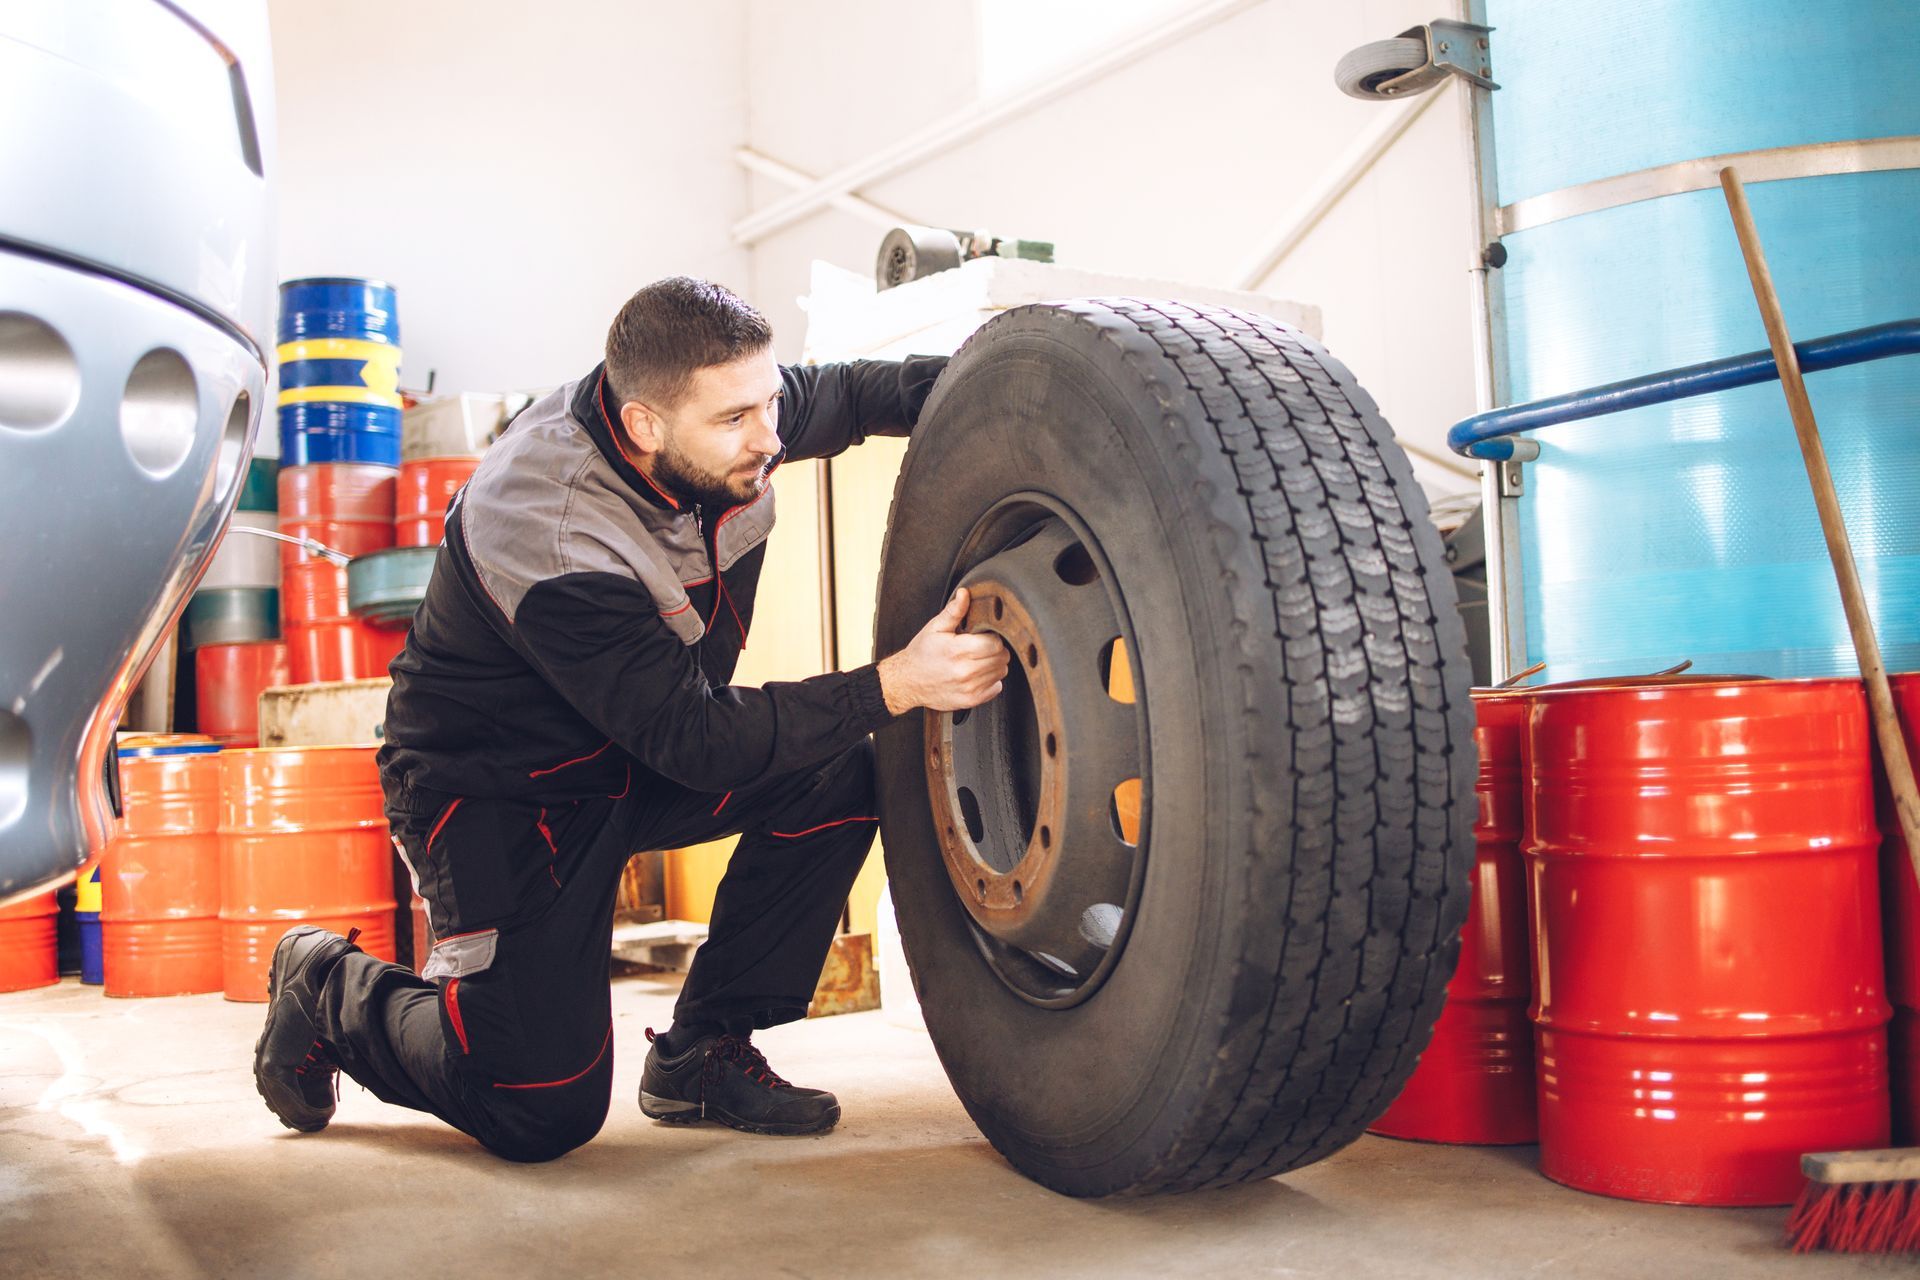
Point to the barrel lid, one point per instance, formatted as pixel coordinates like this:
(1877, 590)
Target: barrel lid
(147, 745)
(350, 282)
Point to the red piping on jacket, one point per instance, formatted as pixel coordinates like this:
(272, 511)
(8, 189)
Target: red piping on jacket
(723, 803)
(444, 815)
(555, 1084)
(795, 835)
(453, 1014)
(567, 764)
(553, 850)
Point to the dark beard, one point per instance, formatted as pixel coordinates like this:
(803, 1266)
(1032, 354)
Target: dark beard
(711, 489)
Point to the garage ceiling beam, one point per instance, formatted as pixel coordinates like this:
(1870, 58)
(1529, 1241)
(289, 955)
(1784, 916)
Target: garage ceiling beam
(787, 176)
(1341, 176)
(960, 126)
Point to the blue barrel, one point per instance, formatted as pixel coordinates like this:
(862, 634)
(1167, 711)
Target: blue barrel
(339, 359)
(86, 914)
(1688, 530)
(339, 307)
(328, 431)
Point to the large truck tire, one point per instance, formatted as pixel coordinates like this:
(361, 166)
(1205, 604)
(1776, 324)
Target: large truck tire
(1227, 608)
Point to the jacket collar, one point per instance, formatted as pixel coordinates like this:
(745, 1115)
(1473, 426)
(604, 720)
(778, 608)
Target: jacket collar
(593, 408)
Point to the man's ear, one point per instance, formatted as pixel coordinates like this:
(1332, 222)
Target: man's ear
(643, 426)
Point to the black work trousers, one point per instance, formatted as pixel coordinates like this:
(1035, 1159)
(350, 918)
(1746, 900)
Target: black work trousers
(508, 1033)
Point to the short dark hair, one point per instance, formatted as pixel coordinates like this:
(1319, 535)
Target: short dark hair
(671, 329)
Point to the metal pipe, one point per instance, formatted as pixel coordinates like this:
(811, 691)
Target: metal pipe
(1499, 506)
(312, 546)
(961, 126)
(1481, 436)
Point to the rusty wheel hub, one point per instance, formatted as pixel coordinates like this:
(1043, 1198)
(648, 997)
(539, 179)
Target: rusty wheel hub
(1037, 794)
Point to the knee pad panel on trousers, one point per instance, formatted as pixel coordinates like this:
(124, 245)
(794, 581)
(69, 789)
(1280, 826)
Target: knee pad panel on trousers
(529, 1126)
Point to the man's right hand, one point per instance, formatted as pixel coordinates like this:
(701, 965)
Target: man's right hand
(943, 669)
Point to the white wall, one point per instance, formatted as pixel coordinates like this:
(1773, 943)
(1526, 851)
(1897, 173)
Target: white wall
(515, 169)
(519, 169)
(1178, 166)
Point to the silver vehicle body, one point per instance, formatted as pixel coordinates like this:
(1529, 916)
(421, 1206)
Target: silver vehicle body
(136, 310)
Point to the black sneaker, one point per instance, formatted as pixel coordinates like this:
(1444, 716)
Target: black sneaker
(725, 1078)
(292, 1068)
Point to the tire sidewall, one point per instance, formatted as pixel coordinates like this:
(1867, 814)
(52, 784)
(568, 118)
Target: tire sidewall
(1105, 428)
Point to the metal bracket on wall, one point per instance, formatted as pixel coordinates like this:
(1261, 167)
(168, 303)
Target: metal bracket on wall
(1453, 49)
(1513, 477)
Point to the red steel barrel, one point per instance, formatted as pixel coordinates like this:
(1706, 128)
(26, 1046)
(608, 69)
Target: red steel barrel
(1902, 915)
(160, 875)
(1702, 865)
(28, 957)
(1475, 1082)
(378, 647)
(227, 681)
(346, 506)
(427, 485)
(303, 841)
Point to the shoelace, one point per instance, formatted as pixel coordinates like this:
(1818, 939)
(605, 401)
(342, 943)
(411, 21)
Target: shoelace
(753, 1063)
(725, 1049)
(317, 1056)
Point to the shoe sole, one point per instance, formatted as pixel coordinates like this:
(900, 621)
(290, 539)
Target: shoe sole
(266, 1027)
(675, 1111)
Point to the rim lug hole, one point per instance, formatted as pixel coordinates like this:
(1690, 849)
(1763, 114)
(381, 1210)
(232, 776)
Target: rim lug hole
(1033, 656)
(1017, 894)
(980, 887)
(999, 609)
(1053, 746)
(1046, 837)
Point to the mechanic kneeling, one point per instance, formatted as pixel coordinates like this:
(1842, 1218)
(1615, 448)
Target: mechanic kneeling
(563, 701)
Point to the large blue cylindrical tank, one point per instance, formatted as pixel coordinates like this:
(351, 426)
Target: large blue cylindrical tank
(1688, 530)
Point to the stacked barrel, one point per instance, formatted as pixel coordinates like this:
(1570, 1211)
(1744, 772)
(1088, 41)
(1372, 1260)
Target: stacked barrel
(1475, 1081)
(233, 624)
(1900, 893)
(340, 452)
(219, 853)
(27, 954)
(160, 875)
(1703, 868)
(238, 599)
(1685, 874)
(86, 919)
(303, 841)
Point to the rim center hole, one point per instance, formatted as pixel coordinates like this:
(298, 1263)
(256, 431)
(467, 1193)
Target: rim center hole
(997, 758)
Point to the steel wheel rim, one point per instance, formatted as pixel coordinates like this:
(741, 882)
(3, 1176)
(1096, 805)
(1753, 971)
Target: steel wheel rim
(1027, 790)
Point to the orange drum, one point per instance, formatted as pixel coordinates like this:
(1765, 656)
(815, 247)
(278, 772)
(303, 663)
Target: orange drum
(318, 651)
(427, 486)
(348, 507)
(160, 876)
(227, 680)
(1703, 868)
(1902, 914)
(378, 647)
(303, 841)
(27, 950)
(1474, 1083)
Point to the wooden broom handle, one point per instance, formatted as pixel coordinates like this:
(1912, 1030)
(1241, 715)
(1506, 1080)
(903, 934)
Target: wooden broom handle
(1886, 719)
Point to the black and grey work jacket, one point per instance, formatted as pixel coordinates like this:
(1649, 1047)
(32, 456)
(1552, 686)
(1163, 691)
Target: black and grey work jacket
(581, 626)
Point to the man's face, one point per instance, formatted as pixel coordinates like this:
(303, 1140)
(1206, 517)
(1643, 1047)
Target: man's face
(715, 446)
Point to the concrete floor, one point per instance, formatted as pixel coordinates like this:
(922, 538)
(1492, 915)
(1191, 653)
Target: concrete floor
(132, 1143)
